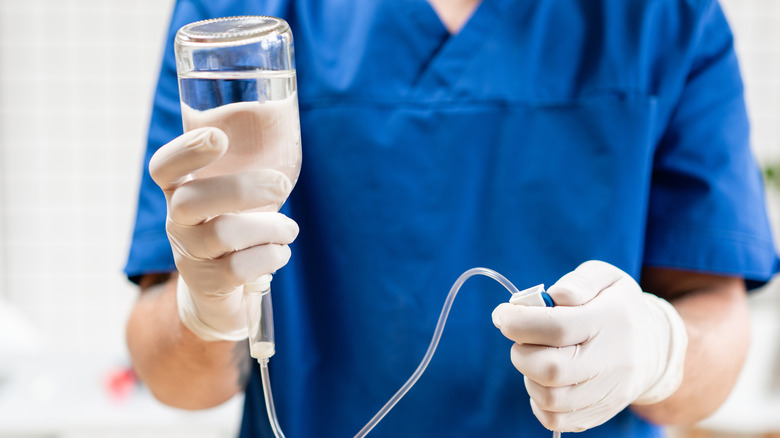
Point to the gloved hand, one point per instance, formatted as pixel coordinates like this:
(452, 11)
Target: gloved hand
(604, 346)
(224, 230)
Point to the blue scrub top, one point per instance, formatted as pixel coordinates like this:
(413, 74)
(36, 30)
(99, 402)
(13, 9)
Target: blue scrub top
(544, 134)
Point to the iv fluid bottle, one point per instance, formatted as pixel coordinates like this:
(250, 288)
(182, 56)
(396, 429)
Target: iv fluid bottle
(238, 74)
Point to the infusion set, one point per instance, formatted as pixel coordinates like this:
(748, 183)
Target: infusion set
(238, 74)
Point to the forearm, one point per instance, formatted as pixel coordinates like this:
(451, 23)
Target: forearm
(716, 317)
(180, 369)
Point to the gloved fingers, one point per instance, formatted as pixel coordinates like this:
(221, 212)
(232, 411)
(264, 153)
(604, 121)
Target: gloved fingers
(584, 283)
(229, 233)
(225, 274)
(576, 421)
(251, 263)
(198, 200)
(554, 327)
(568, 398)
(551, 366)
(175, 161)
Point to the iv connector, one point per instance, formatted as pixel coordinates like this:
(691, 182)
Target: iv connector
(533, 296)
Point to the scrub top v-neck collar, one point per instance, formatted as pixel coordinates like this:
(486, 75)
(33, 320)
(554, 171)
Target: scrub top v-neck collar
(454, 55)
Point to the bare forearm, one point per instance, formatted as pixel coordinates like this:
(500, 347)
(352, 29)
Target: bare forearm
(717, 321)
(179, 368)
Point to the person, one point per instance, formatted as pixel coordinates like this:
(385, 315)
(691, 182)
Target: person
(590, 145)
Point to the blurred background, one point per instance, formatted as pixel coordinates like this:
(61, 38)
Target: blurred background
(76, 84)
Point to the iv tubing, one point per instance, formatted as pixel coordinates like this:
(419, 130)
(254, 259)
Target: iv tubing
(269, 398)
(445, 311)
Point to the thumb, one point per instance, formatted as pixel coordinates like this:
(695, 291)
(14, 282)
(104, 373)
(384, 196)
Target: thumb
(585, 282)
(193, 150)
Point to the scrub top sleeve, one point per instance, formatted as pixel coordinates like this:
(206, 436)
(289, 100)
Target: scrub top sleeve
(150, 251)
(706, 209)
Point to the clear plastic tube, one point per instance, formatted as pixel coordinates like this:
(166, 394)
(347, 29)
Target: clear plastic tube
(445, 311)
(260, 324)
(269, 398)
(259, 317)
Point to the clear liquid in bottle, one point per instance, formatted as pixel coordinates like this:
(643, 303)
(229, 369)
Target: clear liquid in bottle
(258, 110)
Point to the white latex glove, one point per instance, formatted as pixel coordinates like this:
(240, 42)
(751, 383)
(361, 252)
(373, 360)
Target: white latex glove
(604, 346)
(224, 230)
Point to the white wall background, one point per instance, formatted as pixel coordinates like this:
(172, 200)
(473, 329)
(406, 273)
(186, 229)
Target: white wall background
(753, 407)
(76, 82)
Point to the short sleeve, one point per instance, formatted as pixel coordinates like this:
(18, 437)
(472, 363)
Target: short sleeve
(150, 251)
(707, 205)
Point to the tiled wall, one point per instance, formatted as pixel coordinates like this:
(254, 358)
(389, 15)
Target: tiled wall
(76, 80)
(756, 26)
